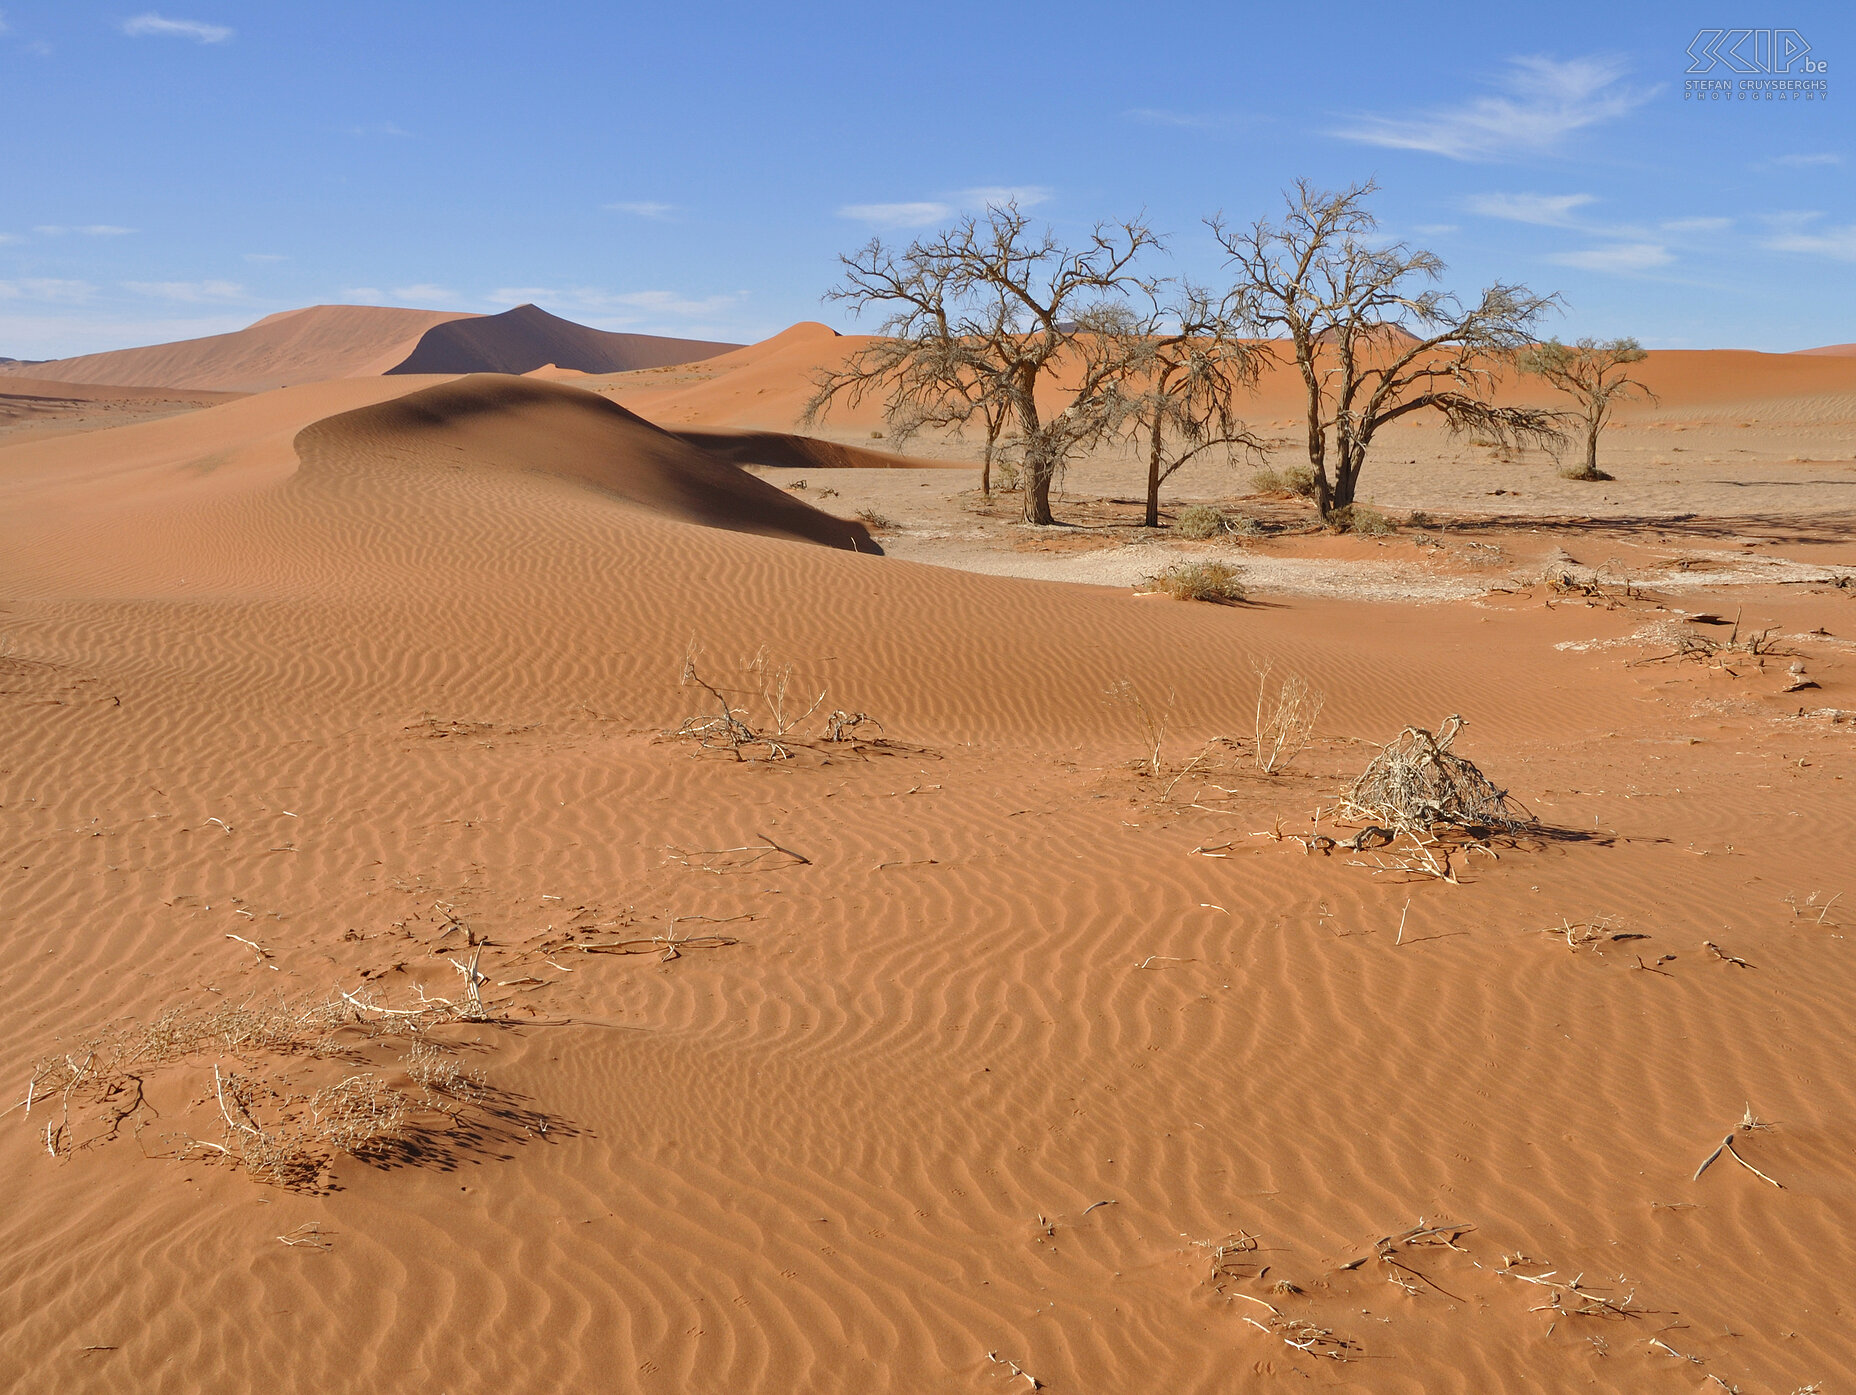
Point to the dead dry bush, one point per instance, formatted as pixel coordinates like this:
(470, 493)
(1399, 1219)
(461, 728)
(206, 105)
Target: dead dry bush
(1732, 654)
(442, 1078)
(774, 714)
(1217, 582)
(1416, 781)
(1607, 586)
(1421, 805)
(1153, 718)
(89, 1094)
(1296, 481)
(360, 1115)
(1285, 720)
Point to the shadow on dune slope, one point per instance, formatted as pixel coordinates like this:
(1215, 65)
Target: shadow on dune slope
(528, 337)
(520, 424)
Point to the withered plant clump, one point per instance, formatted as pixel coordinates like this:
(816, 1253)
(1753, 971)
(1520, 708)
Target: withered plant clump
(1417, 783)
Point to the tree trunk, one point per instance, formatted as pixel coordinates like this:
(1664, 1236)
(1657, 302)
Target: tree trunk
(1350, 457)
(1038, 476)
(1591, 450)
(1040, 466)
(986, 469)
(1152, 519)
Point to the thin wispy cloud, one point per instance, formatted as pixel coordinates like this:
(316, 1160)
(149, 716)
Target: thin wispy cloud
(265, 257)
(1541, 101)
(898, 215)
(926, 212)
(642, 208)
(1544, 210)
(994, 195)
(89, 230)
(152, 25)
(1800, 232)
(1619, 260)
(4, 26)
(189, 292)
(1800, 162)
(1696, 225)
(48, 288)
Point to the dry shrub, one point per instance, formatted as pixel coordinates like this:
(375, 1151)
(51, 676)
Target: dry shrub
(1217, 582)
(790, 704)
(361, 1116)
(1416, 783)
(1296, 480)
(1201, 521)
(89, 1094)
(1154, 719)
(881, 522)
(439, 1073)
(1285, 720)
(1362, 520)
(785, 708)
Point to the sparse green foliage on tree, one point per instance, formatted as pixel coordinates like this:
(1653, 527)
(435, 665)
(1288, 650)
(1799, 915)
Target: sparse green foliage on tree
(1595, 373)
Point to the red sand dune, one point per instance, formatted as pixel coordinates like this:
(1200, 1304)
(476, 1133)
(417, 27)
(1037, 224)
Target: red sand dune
(767, 385)
(1832, 350)
(501, 422)
(296, 346)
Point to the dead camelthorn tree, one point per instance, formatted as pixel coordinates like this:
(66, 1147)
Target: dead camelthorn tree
(1186, 367)
(1595, 373)
(1373, 341)
(991, 321)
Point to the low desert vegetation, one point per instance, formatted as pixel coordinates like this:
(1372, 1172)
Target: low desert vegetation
(1293, 481)
(1202, 522)
(89, 1094)
(770, 717)
(1153, 716)
(1362, 520)
(1219, 583)
(1285, 717)
(1417, 806)
(877, 522)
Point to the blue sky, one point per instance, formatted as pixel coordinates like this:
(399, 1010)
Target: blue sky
(694, 170)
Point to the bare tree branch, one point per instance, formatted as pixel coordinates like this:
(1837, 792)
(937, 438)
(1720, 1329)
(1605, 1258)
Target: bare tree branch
(991, 321)
(1372, 340)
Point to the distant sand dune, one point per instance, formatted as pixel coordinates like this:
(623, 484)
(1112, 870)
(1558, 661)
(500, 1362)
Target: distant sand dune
(528, 337)
(321, 342)
(297, 346)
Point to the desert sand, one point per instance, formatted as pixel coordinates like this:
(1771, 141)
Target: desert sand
(993, 1047)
